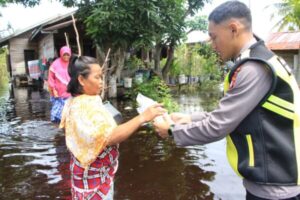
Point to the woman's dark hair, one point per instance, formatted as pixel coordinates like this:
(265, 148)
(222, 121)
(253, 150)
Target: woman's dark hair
(79, 66)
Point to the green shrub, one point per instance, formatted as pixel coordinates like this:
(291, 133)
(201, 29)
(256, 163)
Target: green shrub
(3, 68)
(156, 89)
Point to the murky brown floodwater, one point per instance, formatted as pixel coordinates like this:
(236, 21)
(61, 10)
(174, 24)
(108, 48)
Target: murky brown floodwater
(34, 159)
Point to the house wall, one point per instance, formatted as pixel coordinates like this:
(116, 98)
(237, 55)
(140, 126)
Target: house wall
(292, 58)
(46, 47)
(17, 45)
(297, 62)
(288, 57)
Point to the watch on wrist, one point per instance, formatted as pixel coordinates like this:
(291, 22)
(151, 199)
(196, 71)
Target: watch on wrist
(170, 133)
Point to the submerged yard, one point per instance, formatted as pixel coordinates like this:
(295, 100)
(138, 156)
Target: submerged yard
(34, 159)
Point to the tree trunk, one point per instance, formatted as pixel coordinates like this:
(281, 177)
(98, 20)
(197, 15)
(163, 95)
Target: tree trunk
(117, 63)
(116, 67)
(121, 61)
(170, 58)
(157, 54)
(100, 54)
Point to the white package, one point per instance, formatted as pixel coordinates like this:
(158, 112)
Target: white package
(144, 102)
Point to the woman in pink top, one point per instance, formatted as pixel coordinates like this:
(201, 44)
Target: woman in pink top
(58, 80)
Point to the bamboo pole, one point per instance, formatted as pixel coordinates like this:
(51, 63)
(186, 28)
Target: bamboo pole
(77, 36)
(67, 39)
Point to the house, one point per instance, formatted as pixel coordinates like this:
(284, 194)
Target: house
(43, 41)
(196, 37)
(287, 46)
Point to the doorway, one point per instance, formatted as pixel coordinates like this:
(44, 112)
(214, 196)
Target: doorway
(29, 54)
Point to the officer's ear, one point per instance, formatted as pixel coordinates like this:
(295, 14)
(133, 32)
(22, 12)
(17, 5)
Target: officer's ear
(234, 27)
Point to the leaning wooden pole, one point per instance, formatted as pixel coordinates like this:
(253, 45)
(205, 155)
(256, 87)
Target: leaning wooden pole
(77, 36)
(104, 70)
(67, 39)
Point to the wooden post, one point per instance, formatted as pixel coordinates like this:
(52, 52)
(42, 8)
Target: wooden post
(77, 36)
(67, 39)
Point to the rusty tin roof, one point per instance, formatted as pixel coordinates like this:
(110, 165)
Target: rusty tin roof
(284, 41)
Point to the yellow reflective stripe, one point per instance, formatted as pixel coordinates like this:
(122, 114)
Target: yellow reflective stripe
(278, 110)
(226, 83)
(251, 151)
(281, 72)
(279, 69)
(281, 102)
(232, 155)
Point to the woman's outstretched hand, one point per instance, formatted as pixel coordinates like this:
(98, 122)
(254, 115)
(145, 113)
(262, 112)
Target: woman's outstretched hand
(153, 111)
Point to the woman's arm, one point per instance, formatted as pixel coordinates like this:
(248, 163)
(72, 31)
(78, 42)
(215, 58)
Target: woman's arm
(123, 131)
(51, 83)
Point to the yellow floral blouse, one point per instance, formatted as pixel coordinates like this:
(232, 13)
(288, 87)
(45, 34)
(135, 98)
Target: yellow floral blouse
(87, 127)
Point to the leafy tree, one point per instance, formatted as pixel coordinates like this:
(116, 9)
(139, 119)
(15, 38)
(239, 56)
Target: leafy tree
(196, 60)
(26, 3)
(289, 10)
(182, 24)
(121, 25)
(198, 23)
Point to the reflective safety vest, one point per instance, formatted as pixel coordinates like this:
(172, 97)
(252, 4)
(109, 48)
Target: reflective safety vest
(265, 147)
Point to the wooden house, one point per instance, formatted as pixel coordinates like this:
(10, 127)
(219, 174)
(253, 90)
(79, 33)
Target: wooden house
(43, 41)
(287, 46)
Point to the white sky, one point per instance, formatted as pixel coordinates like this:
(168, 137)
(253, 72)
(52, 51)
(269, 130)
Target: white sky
(20, 17)
(261, 16)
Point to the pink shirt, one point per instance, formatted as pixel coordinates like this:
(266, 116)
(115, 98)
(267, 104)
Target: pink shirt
(59, 78)
(58, 84)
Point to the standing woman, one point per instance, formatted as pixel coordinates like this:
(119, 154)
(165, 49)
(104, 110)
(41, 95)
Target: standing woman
(92, 135)
(58, 80)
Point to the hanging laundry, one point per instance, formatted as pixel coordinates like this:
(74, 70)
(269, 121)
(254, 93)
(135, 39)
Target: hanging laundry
(34, 69)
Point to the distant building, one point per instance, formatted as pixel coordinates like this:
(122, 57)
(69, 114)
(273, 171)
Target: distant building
(287, 46)
(43, 41)
(195, 37)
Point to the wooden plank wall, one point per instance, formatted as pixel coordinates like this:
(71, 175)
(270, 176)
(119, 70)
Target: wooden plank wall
(17, 46)
(46, 47)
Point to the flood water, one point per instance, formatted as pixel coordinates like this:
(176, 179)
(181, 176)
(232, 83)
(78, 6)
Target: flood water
(34, 160)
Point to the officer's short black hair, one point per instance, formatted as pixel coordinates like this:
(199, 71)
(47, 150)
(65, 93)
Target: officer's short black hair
(229, 10)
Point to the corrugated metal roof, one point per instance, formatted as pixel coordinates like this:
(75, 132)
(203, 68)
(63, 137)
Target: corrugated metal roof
(43, 23)
(284, 41)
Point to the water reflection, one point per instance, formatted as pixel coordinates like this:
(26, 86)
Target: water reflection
(34, 160)
(30, 148)
(156, 169)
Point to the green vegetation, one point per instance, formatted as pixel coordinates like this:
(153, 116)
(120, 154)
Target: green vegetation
(134, 63)
(146, 25)
(197, 61)
(289, 11)
(156, 89)
(3, 68)
(135, 24)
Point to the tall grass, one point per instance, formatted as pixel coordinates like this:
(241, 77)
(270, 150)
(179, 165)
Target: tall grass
(3, 68)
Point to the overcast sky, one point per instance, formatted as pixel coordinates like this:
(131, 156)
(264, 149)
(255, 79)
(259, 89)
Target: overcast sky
(20, 17)
(261, 15)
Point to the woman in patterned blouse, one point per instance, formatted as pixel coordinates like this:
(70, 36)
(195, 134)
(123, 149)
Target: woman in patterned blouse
(92, 135)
